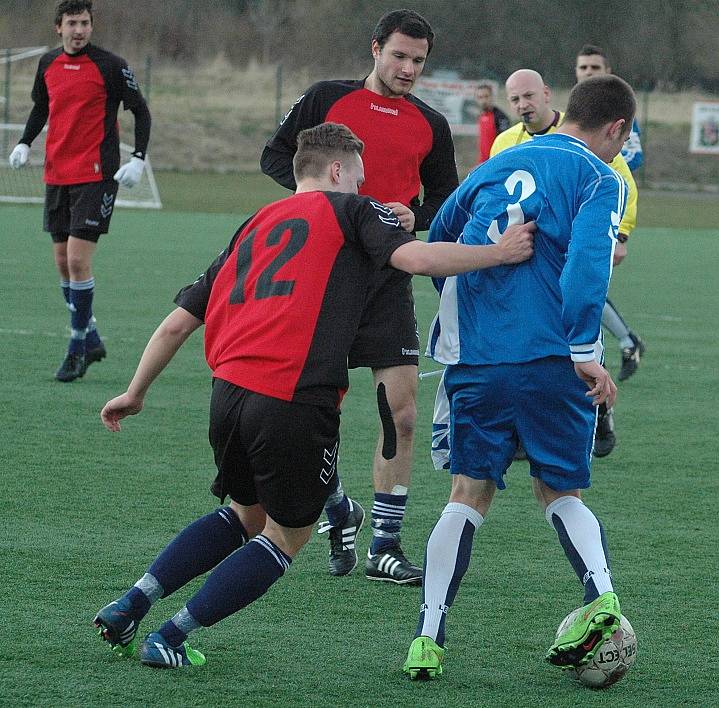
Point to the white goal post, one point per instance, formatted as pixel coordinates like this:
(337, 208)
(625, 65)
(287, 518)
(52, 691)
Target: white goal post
(25, 185)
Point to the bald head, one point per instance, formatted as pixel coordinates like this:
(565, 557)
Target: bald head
(528, 98)
(525, 77)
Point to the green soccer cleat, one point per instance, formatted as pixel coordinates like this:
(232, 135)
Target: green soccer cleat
(155, 651)
(126, 652)
(117, 626)
(594, 623)
(424, 659)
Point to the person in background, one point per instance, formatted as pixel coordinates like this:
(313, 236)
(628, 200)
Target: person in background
(491, 120)
(78, 91)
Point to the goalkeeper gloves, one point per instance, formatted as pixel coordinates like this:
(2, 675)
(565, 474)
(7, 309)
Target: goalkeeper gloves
(18, 157)
(129, 174)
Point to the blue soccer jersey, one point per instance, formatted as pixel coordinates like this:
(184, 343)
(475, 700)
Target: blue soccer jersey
(550, 305)
(632, 150)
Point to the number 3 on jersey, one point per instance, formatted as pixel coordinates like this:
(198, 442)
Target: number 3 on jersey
(266, 285)
(515, 215)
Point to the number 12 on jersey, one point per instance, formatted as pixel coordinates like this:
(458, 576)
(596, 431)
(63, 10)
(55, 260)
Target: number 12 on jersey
(267, 285)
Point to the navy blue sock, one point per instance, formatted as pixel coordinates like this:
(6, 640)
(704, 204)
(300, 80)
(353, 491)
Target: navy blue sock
(198, 548)
(387, 517)
(239, 580)
(92, 336)
(80, 312)
(65, 287)
(139, 603)
(337, 506)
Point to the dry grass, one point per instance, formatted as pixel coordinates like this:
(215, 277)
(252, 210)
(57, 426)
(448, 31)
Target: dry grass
(215, 116)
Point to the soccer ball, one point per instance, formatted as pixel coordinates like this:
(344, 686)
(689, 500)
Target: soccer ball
(613, 659)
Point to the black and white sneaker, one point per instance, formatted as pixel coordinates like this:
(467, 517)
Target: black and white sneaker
(392, 567)
(631, 356)
(604, 437)
(343, 551)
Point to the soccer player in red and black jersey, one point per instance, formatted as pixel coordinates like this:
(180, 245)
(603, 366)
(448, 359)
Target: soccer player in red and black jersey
(281, 307)
(408, 148)
(78, 90)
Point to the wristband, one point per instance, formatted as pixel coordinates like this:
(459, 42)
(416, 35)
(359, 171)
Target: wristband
(622, 238)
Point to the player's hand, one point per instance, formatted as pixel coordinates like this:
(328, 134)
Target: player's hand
(117, 409)
(403, 213)
(620, 253)
(517, 243)
(130, 173)
(18, 157)
(601, 387)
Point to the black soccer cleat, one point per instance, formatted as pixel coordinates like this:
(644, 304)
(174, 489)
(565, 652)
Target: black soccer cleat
(73, 367)
(97, 353)
(631, 356)
(604, 437)
(118, 627)
(391, 566)
(343, 551)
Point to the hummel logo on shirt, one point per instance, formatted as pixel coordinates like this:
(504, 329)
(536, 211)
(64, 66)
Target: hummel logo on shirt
(382, 109)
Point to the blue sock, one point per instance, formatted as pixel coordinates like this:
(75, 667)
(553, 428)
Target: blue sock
(139, 603)
(92, 337)
(80, 310)
(198, 548)
(239, 580)
(387, 517)
(65, 286)
(337, 506)
(449, 549)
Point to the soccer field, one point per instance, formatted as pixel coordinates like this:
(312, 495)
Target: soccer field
(85, 511)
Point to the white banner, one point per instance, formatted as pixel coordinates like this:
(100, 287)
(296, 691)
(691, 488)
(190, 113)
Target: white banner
(705, 129)
(454, 99)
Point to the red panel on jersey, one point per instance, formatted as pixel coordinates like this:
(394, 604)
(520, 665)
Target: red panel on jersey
(262, 343)
(397, 138)
(77, 96)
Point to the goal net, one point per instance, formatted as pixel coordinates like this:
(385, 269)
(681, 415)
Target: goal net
(26, 186)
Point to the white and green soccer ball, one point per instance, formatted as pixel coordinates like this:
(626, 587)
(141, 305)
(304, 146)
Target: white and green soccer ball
(613, 659)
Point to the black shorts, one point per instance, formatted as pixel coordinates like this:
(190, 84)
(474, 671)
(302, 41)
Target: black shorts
(81, 210)
(387, 334)
(280, 454)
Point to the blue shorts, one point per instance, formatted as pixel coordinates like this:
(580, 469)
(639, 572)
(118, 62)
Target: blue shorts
(542, 403)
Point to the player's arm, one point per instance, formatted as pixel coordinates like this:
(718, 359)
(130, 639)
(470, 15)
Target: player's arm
(632, 151)
(132, 99)
(585, 277)
(35, 122)
(163, 345)
(387, 243)
(167, 339)
(277, 156)
(442, 259)
(438, 174)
